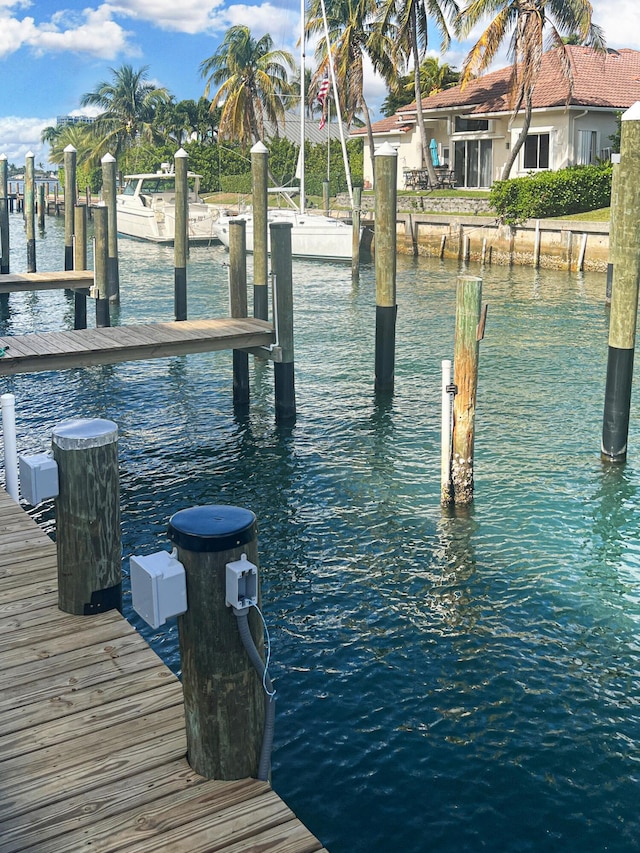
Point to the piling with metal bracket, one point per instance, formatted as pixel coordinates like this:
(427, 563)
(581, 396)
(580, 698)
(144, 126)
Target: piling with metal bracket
(469, 331)
(88, 539)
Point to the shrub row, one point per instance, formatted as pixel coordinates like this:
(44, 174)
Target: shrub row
(572, 190)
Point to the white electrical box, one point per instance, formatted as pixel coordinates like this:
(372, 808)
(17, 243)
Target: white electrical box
(38, 477)
(158, 587)
(242, 583)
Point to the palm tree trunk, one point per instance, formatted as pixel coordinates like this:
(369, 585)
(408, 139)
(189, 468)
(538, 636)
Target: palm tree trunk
(424, 145)
(508, 166)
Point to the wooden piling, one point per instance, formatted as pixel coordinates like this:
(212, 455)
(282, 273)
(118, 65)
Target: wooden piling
(446, 486)
(88, 516)
(385, 161)
(80, 263)
(239, 306)
(42, 205)
(70, 156)
(536, 246)
(613, 224)
(624, 296)
(181, 235)
(356, 226)
(259, 168)
(443, 242)
(4, 219)
(223, 697)
(29, 210)
(284, 377)
(465, 365)
(100, 254)
(109, 198)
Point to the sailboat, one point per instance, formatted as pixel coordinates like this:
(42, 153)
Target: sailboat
(313, 235)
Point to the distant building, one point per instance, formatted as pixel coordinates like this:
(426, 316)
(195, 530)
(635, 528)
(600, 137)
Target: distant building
(61, 121)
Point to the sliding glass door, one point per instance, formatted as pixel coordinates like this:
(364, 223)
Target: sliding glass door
(473, 162)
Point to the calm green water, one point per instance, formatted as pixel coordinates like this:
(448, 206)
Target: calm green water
(445, 683)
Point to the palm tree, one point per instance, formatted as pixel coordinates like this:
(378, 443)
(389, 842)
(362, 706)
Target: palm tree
(412, 18)
(528, 21)
(253, 84)
(129, 103)
(434, 77)
(353, 34)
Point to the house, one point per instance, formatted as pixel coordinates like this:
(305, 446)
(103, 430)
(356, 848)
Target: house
(472, 128)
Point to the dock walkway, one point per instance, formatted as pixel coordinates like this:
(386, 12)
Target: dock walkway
(28, 281)
(84, 347)
(92, 735)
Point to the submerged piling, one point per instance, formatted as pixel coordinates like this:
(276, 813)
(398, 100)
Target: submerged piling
(385, 264)
(465, 369)
(69, 203)
(624, 295)
(259, 167)
(238, 304)
(181, 235)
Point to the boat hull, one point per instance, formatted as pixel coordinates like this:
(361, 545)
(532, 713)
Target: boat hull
(157, 223)
(314, 237)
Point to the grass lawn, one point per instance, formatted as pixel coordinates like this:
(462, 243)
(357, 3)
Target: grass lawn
(601, 215)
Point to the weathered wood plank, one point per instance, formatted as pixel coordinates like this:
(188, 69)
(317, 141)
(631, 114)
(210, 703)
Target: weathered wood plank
(69, 279)
(84, 347)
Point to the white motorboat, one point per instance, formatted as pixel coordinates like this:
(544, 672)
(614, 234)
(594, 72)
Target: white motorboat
(145, 208)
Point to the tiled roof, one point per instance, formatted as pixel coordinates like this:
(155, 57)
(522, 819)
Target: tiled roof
(393, 124)
(610, 80)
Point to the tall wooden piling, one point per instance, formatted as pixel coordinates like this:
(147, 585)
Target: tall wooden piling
(624, 295)
(100, 255)
(385, 263)
(465, 368)
(356, 226)
(181, 235)
(284, 375)
(109, 198)
(80, 263)
(238, 304)
(446, 486)
(613, 224)
(259, 169)
(4, 219)
(223, 697)
(29, 210)
(87, 510)
(70, 156)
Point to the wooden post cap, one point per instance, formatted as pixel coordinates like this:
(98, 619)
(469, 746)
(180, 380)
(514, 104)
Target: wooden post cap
(212, 528)
(84, 433)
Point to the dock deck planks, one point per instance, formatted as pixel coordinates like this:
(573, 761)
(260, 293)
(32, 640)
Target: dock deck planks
(85, 347)
(92, 738)
(28, 281)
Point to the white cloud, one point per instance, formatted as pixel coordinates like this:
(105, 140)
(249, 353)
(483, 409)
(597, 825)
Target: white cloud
(92, 31)
(185, 16)
(20, 135)
(621, 22)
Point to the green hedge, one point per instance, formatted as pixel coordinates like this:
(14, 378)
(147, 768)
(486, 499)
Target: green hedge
(573, 190)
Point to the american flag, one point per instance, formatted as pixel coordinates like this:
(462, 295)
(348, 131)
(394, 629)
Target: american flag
(323, 91)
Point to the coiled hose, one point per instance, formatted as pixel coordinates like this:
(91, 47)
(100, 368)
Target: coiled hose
(264, 765)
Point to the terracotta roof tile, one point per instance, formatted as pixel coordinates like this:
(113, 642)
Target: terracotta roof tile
(610, 80)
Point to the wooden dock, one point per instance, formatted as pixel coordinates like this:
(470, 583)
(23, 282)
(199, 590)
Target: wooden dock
(84, 347)
(92, 749)
(28, 281)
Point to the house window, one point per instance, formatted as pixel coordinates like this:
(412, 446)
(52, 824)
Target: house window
(536, 151)
(470, 125)
(587, 147)
(473, 162)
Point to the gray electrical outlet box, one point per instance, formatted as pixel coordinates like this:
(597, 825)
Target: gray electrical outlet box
(242, 583)
(38, 477)
(158, 587)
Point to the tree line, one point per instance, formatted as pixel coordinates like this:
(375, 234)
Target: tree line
(253, 86)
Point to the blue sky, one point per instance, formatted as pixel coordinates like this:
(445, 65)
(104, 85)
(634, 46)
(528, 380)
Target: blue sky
(51, 53)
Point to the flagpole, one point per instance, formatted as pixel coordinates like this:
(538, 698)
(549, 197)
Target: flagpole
(302, 108)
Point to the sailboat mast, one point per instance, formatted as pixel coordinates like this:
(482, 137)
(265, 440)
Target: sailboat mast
(336, 99)
(303, 106)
